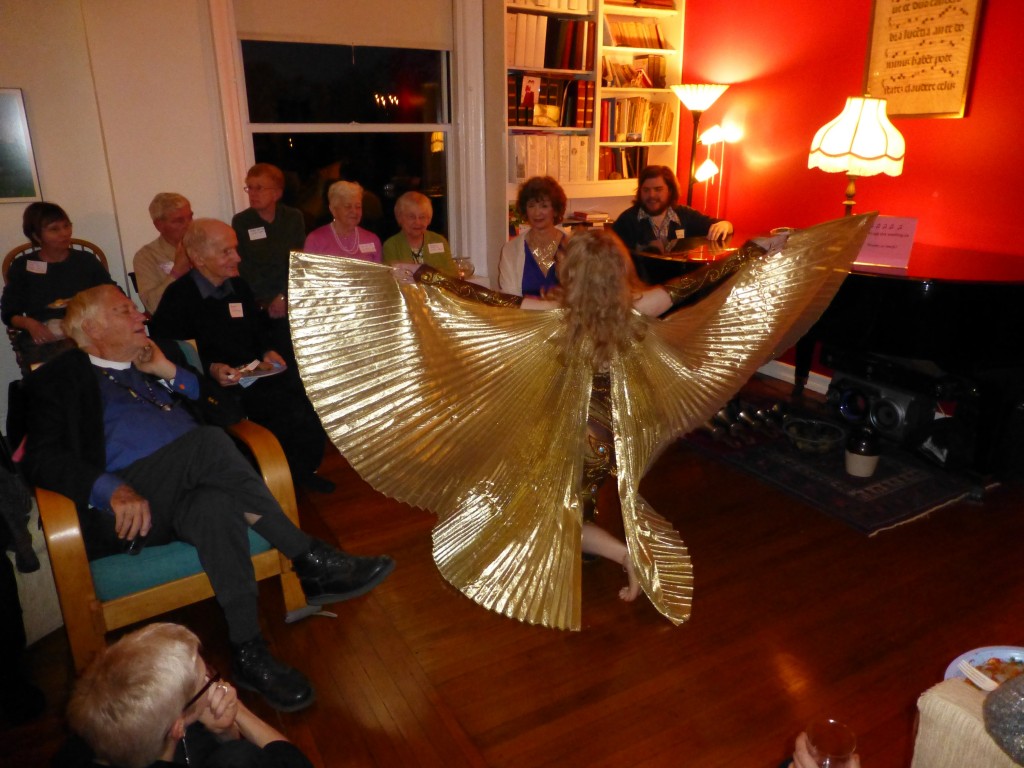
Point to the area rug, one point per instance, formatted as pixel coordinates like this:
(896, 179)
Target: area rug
(905, 487)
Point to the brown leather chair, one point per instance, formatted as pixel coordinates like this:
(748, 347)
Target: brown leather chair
(89, 617)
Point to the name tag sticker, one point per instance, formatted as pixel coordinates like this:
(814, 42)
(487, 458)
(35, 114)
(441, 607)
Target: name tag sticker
(257, 233)
(235, 308)
(367, 248)
(680, 234)
(435, 247)
(36, 267)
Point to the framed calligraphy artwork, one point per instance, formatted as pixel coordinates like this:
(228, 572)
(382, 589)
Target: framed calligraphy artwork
(18, 179)
(919, 55)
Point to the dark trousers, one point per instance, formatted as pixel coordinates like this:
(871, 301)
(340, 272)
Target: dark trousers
(199, 489)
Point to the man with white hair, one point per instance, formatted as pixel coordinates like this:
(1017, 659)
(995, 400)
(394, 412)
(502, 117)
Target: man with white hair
(161, 262)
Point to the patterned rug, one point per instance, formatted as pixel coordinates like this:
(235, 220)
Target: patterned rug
(905, 487)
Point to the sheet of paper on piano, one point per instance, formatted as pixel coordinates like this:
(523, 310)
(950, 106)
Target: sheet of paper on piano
(888, 244)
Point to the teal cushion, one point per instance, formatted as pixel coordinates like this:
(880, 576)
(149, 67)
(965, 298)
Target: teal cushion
(120, 575)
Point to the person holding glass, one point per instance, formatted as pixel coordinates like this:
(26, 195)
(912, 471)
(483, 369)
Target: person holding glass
(416, 244)
(527, 265)
(40, 284)
(150, 699)
(343, 236)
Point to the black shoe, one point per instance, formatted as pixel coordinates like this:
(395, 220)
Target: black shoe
(329, 575)
(255, 669)
(315, 483)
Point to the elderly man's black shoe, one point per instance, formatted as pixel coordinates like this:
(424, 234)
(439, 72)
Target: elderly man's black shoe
(255, 669)
(329, 575)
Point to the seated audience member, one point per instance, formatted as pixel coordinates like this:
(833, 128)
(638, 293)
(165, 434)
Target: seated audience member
(415, 243)
(117, 427)
(268, 231)
(343, 236)
(151, 700)
(655, 219)
(527, 265)
(40, 284)
(161, 262)
(216, 308)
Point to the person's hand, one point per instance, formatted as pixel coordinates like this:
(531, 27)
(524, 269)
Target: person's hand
(131, 513)
(224, 374)
(272, 357)
(278, 308)
(720, 230)
(219, 716)
(39, 332)
(151, 360)
(182, 264)
(405, 273)
(802, 755)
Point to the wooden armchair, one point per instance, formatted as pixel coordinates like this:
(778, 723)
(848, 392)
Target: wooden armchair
(103, 595)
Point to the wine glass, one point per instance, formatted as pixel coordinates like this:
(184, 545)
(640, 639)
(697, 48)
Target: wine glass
(465, 265)
(831, 743)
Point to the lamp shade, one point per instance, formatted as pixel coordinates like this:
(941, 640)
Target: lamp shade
(860, 142)
(697, 97)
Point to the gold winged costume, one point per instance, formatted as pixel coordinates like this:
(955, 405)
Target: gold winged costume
(470, 411)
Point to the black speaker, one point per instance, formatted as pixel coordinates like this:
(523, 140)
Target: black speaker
(896, 413)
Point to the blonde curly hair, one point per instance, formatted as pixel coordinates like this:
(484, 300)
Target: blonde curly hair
(598, 288)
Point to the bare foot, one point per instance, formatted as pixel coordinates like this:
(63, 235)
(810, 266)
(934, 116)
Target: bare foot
(629, 592)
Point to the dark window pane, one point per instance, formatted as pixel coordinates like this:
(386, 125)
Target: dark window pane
(314, 83)
(385, 164)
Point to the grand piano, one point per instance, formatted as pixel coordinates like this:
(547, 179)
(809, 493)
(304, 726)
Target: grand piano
(931, 355)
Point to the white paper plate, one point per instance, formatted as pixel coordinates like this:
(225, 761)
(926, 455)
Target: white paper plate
(980, 655)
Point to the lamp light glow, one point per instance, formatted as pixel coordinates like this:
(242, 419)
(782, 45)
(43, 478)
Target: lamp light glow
(696, 97)
(859, 142)
(707, 170)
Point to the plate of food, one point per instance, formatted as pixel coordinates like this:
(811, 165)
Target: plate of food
(257, 370)
(1000, 662)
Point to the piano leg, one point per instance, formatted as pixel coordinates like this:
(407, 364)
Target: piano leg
(804, 355)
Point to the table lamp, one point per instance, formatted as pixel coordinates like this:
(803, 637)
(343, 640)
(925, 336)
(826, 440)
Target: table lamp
(859, 142)
(696, 97)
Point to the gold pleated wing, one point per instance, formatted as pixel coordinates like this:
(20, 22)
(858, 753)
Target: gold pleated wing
(458, 408)
(692, 363)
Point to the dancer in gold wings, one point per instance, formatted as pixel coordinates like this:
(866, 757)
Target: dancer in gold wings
(478, 411)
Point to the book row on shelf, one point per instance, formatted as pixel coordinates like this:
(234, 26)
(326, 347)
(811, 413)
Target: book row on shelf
(546, 42)
(550, 102)
(621, 162)
(564, 156)
(576, 6)
(645, 71)
(636, 118)
(634, 33)
(667, 5)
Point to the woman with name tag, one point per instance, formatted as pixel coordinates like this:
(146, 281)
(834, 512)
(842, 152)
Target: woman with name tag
(40, 284)
(416, 244)
(343, 236)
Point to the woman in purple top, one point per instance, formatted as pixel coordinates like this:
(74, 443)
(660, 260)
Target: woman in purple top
(527, 265)
(344, 236)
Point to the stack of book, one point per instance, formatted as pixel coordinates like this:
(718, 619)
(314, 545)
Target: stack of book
(621, 162)
(625, 31)
(564, 156)
(645, 71)
(546, 42)
(579, 6)
(549, 102)
(635, 119)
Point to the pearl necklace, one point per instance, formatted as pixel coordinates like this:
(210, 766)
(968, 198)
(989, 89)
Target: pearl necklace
(354, 248)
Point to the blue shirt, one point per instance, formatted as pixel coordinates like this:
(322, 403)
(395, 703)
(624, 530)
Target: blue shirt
(139, 418)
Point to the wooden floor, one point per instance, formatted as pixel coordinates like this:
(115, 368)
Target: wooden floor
(795, 615)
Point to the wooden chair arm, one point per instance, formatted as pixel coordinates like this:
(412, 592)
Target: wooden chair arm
(271, 462)
(70, 566)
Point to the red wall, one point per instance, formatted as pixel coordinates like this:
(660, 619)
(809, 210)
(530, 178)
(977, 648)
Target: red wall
(792, 64)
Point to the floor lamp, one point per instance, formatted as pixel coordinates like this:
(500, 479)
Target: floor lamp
(859, 142)
(696, 97)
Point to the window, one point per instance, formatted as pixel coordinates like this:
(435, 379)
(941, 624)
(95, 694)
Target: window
(378, 116)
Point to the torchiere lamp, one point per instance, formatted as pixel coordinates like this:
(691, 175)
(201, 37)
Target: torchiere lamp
(859, 142)
(696, 97)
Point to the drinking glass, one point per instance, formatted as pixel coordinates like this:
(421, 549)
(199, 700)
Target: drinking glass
(465, 265)
(831, 743)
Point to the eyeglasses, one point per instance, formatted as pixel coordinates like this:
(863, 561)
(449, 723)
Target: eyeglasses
(212, 676)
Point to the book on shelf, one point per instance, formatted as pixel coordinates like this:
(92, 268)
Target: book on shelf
(578, 6)
(590, 216)
(652, 68)
(546, 42)
(621, 162)
(564, 156)
(623, 31)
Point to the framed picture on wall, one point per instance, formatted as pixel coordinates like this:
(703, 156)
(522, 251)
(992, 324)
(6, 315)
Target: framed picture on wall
(919, 55)
(19, 181)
